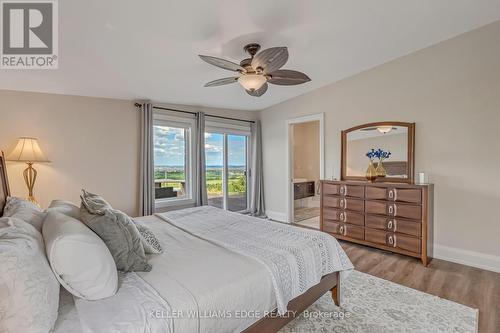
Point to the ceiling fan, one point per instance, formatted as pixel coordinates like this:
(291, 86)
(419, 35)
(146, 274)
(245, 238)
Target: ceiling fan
(256, 71)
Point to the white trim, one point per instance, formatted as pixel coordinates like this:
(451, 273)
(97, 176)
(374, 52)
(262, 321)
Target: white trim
(468, 258)
(225, 172)
(276, 216)
(228, 128)
(189, 125)
(226, 132)
(289, 155)
(169, 115)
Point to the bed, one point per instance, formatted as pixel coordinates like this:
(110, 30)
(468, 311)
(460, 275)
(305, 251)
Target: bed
(210, 278)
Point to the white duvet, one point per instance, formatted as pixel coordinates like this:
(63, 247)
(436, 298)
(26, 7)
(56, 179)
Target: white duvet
(206, 288)
(197, 284)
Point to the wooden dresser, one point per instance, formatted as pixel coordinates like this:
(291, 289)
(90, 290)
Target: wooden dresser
(395, 217)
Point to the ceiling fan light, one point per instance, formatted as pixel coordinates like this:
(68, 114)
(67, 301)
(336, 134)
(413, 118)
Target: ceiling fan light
(384, 129)
(252, 82)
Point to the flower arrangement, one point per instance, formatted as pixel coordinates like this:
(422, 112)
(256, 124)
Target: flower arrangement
(372, 173)
(379, 153)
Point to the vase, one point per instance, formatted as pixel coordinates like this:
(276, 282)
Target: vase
(380, 170)
(371, 172)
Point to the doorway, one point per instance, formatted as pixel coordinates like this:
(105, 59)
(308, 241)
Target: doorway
(305, 169)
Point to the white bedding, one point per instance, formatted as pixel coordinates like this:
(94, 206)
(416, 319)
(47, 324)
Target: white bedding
(296, 258)
(229, 291)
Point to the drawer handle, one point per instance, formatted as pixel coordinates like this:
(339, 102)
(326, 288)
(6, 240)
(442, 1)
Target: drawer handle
(343, 216)
(392, 209)
(341, 229)
(392, 240)
(342, 203)
(342, 189)
(393, 194)
(389, 225)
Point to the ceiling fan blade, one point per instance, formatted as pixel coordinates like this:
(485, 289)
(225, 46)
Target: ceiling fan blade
(286, 77)
(221, 82)
(259, 92)
(271, 59)
(222, 63)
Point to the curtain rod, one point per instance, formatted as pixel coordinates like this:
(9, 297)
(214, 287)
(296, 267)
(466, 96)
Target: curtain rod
(194, 113)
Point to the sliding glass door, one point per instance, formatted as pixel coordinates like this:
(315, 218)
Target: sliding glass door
(227, 170)
(214, 161)
(237, 196)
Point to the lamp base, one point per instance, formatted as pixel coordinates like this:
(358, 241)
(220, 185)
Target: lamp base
(33, 200)
(30, 178)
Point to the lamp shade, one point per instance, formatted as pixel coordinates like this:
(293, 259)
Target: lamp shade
(252, 82)
(27, 150)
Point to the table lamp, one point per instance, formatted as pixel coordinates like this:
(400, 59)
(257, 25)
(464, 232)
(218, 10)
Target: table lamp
(28, 150)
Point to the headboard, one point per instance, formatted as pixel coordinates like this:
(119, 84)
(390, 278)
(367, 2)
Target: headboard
(4, 183)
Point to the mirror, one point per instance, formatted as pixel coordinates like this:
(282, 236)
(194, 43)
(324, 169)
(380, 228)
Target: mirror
(384, 150)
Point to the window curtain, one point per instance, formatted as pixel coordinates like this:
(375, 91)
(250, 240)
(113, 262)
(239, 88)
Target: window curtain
(257, 207)
(146, 187)
(200, 168)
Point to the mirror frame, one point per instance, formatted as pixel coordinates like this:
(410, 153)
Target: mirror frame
(410, 168)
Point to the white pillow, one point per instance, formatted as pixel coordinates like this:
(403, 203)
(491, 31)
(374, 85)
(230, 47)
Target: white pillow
(29, 291)
(24, 210)
(79, 258)
(65, 207)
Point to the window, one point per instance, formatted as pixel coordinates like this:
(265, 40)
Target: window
(226, 154)
(172, 160)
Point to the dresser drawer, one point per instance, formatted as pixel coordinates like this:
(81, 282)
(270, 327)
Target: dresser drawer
(344, 203)
(399, 225)
(394, 209)
(392, 239)
(347, 230)
(411, 195)
(353, 191)
(344, 216)
(331, 226)
(331, 189)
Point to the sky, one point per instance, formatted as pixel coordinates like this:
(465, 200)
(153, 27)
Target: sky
(169, 148)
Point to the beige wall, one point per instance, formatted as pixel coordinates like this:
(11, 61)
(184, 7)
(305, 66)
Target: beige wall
(452, 92)
(93, 143)
(306, 150)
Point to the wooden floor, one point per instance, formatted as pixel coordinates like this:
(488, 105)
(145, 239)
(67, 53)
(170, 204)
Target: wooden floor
(473, 287)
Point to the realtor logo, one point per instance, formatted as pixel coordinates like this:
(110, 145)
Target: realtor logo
(29, 34)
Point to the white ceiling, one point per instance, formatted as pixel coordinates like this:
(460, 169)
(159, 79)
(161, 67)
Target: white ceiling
(148, 49)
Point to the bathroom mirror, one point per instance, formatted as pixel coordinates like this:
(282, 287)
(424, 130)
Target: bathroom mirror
(383, 149)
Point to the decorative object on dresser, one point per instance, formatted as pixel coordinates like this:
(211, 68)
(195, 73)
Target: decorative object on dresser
(396, 217)
(28, 150)
(381, 140)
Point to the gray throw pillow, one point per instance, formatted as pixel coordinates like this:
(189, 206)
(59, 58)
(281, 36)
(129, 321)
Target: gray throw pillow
(117, 230)
(149, 241)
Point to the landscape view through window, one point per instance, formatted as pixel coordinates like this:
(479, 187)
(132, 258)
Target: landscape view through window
(171, 161)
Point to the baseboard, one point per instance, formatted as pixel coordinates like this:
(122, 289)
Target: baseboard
(276, 216)
(464, 257)
(469, 258)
